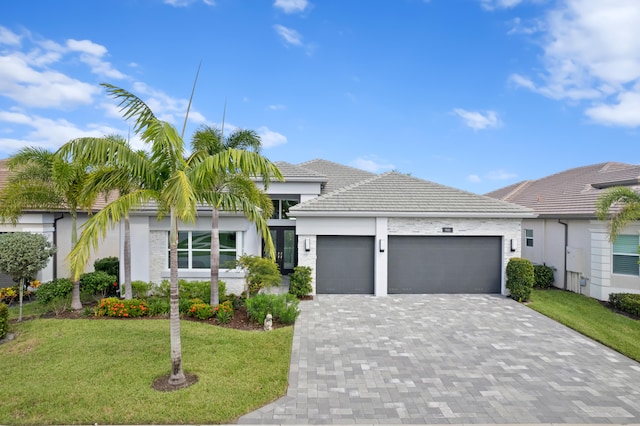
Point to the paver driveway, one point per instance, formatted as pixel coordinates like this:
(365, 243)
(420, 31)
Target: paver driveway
(447, 359)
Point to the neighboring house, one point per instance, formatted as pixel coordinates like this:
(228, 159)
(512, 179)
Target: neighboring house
(56, 226)
(567, 235)
(358, 231)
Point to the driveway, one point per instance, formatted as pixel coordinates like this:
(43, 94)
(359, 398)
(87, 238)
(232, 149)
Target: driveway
(447, 359)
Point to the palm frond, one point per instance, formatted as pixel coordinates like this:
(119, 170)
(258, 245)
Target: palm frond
(626, 209)
(131, 107)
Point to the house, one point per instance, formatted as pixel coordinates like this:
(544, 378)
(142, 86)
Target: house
(566, 234)
(56, 226)
(359, 232)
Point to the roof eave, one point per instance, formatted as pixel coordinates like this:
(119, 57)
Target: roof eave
(466, 215)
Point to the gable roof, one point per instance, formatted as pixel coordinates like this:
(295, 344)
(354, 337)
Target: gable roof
(338, 175)
(397, 194)
(571, 193)
(296, 173)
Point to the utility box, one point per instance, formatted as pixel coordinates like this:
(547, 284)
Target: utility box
(574, 260)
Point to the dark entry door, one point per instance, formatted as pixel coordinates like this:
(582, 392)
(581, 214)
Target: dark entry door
(286, 244)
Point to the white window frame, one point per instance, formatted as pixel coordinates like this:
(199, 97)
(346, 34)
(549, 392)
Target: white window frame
(528, 238)
(189, 249)
(635, 255)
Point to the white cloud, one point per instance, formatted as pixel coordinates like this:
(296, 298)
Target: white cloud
(474, 178)
(500, 175)
(289, 35)
(86, 46)
(91, 54)
(291, 6)
(165, 107)
(499, 4)
(276, 107)
(478, 120)
(270, 138)
(185, 3)
(530, 27)
(371, 165)
(8, 37)
(591, 53)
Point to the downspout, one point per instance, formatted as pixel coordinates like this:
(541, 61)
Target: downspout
(566, 244)
(55, 243)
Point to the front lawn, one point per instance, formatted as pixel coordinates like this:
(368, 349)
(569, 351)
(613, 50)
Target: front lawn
(589, 317)
(87, 371)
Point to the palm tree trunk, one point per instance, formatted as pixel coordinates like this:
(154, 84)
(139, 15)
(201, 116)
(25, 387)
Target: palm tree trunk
(176, 377)
(128, 292)
(76, 304)
(215, 256)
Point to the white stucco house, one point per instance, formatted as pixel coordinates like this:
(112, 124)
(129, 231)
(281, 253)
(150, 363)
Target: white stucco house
(360, 233)
(566, 234)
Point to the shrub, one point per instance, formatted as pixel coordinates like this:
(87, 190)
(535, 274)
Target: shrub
(60, 287)
(300, 281)
(224, 312)
(59, 304)
(191, 289)
(4, 320)
(114, 307)
(9, 294)
(110, 265)
(158, 306)
(262, 273)
(200, 310)
(140, 289)
(543, 276)
(283, 307)
(520, 278)
(99, 283)
(236, 301)
(626, 302)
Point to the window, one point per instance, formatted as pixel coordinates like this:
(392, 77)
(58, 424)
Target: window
(194, 249)
(625, 255)
(528, 237)
(281, 208)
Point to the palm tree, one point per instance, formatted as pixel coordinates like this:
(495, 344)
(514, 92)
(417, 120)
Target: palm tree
(106, 178)
(160, 177)
(230, 186)
(628, 208)
(41, 179)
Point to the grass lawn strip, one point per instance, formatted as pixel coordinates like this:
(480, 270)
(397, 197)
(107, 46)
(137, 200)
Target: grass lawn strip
(88, 371)
(587, 316)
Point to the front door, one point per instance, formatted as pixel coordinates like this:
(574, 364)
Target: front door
(286, 243)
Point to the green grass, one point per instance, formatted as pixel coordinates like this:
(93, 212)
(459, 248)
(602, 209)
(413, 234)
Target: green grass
(100, 371)
(589, 317)
(29, 309)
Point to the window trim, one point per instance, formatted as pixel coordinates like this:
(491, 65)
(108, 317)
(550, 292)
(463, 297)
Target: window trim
(189, 250)
(528, 238)
(635, 255)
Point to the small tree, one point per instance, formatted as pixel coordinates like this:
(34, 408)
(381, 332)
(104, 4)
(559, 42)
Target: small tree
(262, 273)
(22, 256)
(300, 284)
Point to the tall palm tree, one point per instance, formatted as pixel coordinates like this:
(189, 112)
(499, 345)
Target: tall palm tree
(161, 178)
(106, 178)
(41, 179)
(627, 203)
(230, 186)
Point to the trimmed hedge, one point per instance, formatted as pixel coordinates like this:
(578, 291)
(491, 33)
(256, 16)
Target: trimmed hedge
(626, 302)
(300, 281)
(4, 320)
(58, 288)
(520, 278)
(543, 276)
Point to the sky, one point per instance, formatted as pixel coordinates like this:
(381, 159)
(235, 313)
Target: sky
(473, 94)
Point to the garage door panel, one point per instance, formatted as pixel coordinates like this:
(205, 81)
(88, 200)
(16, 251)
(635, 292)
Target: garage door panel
(444, 264)
(344, 265)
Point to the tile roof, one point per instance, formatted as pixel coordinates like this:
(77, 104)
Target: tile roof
(293, 172)
(338, 175)
(571, 193)
(399, 194)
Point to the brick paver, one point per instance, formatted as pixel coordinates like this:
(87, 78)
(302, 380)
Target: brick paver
(462, 359)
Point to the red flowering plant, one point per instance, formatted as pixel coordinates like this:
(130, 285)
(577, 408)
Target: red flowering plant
(224, 312)
(200, 310)
(114, 307)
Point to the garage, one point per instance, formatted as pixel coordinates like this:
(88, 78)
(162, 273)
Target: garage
(345, 265)
(439, 264)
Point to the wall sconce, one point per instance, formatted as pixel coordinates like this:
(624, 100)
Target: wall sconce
(307, 244)
(514, 244)
(382, 244)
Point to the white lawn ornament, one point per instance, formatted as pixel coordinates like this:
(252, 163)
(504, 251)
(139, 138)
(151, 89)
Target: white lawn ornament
(268, 323)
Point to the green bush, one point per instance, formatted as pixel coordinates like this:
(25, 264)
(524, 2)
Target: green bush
(110, 265)
(236, 301)
(4, 320)
(114, 307)
(300, 281)
(191, 290)
(60, 287)
(283, 307)
(224, 312)
(158, 306)
(140, 289)
(58, 304)
(99, 283)
(543, 276)
(626, 302)
(520, 278)
(261, 273)
(200, 310)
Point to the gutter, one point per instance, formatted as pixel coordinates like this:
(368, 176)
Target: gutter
(55, 243)
(566, 244)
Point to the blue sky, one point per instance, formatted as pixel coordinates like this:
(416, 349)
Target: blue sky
(475, 94)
